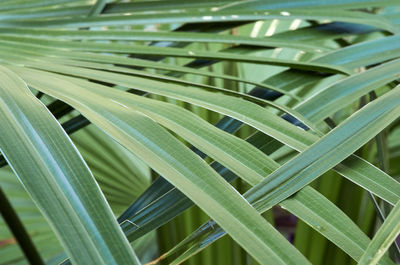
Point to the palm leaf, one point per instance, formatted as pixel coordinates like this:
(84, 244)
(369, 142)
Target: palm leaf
(138, 86)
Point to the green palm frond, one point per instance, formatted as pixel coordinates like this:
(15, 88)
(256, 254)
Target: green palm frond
(119, 116)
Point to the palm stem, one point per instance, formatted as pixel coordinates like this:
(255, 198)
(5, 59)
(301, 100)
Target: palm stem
(19, 231)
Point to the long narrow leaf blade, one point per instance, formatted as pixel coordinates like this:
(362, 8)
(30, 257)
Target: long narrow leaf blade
(184, 169)
(385, 236)
(57, 178)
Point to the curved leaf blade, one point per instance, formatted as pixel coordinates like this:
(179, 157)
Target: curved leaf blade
(55, 175)
(184, 169)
